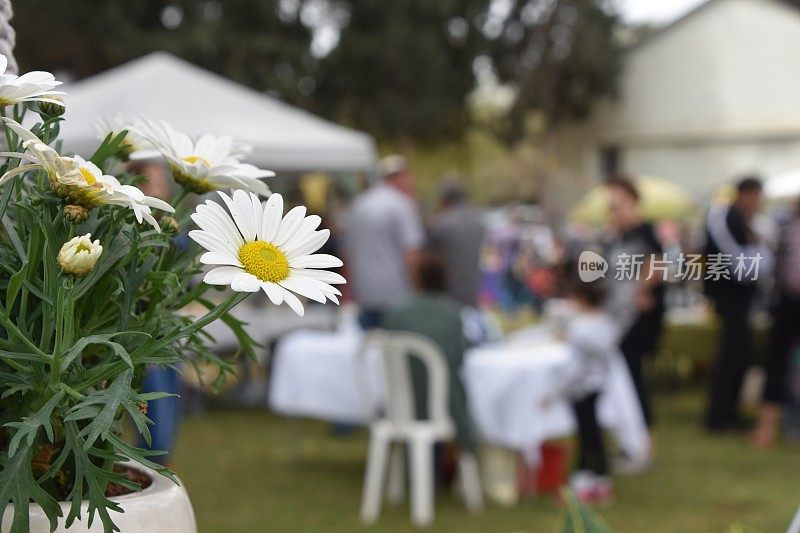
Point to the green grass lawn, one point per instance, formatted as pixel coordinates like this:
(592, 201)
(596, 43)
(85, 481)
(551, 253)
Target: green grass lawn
(251, 471)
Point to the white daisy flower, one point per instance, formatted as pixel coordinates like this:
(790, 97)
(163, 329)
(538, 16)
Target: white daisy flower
(257, 248)
(78, 181)
(135, 143)
(35, 86)
(207, 164)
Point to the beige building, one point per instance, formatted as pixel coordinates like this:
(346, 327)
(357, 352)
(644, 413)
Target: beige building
(709, 97)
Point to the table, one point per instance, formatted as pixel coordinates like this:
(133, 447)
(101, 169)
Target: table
(512, 388)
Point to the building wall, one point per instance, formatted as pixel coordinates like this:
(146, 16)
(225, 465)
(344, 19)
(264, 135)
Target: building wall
(715, 95)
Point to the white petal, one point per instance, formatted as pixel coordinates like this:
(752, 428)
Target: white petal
(304, 230)
(213, 243)
(322, 275)
(289, 225)
(303, 288)
(310, 245)
(271, 219)
(221, 275)
(247, 220)
(317, 284)
(293, 302)
(148, 218)
(245, 282)
(258, 212)
(17, 171)
(333, 298)
(207, 220)
(274, 292)
(218, 213)
(316, 261)
(241, 219)
(216, 258)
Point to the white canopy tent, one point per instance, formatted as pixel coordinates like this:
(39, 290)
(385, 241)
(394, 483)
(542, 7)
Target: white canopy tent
(196, 101)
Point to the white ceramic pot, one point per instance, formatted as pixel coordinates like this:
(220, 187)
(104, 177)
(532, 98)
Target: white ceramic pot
(163, 507)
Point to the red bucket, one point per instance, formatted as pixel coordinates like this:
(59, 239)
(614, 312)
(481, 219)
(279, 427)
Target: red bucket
(551, 473)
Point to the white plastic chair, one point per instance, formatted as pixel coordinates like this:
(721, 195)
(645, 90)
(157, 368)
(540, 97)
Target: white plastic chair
(399, 427)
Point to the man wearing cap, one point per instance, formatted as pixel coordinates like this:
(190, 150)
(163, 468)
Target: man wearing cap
(383, 236)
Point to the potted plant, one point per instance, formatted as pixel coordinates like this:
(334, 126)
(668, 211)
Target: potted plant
(92, 288)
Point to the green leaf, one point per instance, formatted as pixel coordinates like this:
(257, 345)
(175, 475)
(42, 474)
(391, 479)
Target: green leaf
(15, 240)
(29, 426)
(105, 340)
(102, 408)
(140, 456)
(19, 487)
(14, 285)
(110, 146)
(5, 198)
(93, 478)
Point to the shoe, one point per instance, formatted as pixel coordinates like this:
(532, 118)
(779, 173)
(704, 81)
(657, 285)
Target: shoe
(603, 493)
(582, 485)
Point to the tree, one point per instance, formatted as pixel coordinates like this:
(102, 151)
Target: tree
(403, 69)
(560, 55)
(400, 70)
(257, 43)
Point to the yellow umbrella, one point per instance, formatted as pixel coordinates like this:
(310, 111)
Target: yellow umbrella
(660, 199)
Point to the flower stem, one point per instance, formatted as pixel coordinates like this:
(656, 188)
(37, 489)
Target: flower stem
(180, 198)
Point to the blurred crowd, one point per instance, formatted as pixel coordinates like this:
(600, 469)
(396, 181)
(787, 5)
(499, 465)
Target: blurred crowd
(448, 276)
(433, 279)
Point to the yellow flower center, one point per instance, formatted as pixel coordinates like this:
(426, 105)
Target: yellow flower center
(88, 176)
(264, 260)
(191, 183)
(82, 248)
(192, 159)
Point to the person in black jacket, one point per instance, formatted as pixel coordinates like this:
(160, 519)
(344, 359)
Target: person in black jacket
(636, 302)
(729, 234)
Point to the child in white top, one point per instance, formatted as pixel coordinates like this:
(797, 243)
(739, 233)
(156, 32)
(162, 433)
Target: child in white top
(593, 338)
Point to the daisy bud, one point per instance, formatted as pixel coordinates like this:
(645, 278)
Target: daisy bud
(79, 255)
(75, 213)
(51, 109)
(170, 226)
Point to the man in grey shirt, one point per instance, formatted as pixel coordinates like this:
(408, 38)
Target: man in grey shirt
(382, 237)
(457, 234)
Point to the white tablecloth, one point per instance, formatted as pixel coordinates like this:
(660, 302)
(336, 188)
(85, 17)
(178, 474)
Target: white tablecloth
(513, 388)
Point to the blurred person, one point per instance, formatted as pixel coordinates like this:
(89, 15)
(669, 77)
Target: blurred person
(593, 339)
(729, 234)
(785, 332)
(637, 304)
(435, 315)
(514, 262)
(457, 233)
(382, 235)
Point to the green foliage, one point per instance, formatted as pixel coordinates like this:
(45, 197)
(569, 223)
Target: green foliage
(73, 349)
(579, 518)
(562, 57)
(401, 70)
(397, 71)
